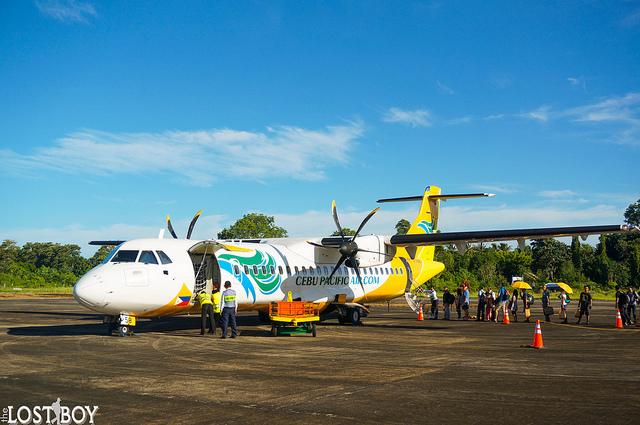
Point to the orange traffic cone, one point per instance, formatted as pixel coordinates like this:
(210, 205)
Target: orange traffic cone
(537, 337)
(619, 324)
(420, 314)
(505, 318)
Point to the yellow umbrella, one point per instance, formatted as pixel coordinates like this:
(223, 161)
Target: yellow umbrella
(566, 287)
(521, 285)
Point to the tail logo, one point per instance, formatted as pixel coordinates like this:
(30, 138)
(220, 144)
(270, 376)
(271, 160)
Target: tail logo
(427, 226)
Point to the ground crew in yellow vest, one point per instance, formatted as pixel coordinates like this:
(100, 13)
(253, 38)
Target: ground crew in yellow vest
(204, 298)
(229, 309)
(217, 304)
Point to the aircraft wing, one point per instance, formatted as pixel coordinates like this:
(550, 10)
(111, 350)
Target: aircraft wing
(461, 238)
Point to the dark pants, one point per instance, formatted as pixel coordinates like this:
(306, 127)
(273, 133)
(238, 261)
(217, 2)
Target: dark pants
(459, 310)
(207, 312)
(217, 318)
(623, 314)
(229, 317)
(480, 312)
(434, 309)
(547, 318)
(631, 312)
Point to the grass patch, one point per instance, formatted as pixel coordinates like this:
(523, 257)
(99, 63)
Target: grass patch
(42, 290)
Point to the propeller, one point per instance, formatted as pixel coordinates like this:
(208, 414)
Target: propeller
(348, 247)
(191, 225)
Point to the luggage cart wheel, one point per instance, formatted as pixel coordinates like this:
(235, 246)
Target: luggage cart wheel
(274, 330)
(313, 330)
(123, 330)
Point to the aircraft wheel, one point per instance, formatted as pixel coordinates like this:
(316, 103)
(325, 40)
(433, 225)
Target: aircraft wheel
(123, 330)
(354, 316)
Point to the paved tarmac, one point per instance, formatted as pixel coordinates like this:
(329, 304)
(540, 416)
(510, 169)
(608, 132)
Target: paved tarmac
(393, 369)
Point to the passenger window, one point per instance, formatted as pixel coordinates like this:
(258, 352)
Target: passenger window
(280, 269)
(164, 258)
(364, 271)
(255, 269)
(273, 270)
(311, 272)
(401, 271)
(236, 269)
(125, 256)
(304, 270)
(288, 270)
(296, 269)
(264, 271)
(246, 269)
(147, 257)
(326, 270)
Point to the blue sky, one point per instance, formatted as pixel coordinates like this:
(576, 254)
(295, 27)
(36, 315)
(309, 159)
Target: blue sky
(116, 113)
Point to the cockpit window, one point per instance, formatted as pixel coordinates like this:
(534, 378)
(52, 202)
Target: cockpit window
(125, 256)
(111, 254)
(147, 257)
(164, 258)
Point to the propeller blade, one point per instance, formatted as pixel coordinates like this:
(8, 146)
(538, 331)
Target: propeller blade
(322, 246)
(170, 227)
(193, 223)
(367, 218)
(334, 211)
(335, 269)
(357, 267)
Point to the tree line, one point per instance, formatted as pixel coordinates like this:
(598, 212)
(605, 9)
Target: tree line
(615, 260)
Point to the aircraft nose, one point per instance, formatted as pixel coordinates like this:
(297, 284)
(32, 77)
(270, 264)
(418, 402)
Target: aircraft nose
(89, 290)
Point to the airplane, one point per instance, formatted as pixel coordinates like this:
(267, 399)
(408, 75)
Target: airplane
(151, 278)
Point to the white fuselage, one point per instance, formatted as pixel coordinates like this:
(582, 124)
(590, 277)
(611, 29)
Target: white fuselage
(159, 277)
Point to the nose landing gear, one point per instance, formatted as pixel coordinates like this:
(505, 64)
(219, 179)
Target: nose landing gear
(122, 324)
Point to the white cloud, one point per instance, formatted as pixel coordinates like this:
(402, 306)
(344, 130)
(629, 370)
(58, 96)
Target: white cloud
(443, 88)
(539, 114)
(555, 194)
(196, 157)
(415, 118)
(458, 121)
(207, 227)
(68, 10)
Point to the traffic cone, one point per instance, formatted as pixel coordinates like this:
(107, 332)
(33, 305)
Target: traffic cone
(505, 318)
(619, 324)
(420, 314)
(537, 337)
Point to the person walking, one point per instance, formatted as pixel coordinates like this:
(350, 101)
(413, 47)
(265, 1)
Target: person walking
(632, 303)
(564, 303)
(458, 300)
(482, 302)
(206, 305)
(585, 303)
(491, 296)
(466, 298)
(526, 305)
(433, 297)
(229, 310)
(623, 301)
(546, 307)
(513, 304)
(503, 296)
(447, 300)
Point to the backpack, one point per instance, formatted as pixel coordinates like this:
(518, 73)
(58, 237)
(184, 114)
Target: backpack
(530, 299)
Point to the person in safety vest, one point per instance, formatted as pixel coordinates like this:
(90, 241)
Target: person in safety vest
(229, 309)
(217, 304)
(204, 299)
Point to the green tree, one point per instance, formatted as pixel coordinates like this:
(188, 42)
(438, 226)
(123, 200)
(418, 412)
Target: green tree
(514, 263)
(576, 258)
(548, 256)
(402, 227)
(602, 266)
(632, 214)
(253, 226)
(100, 255)
(8, 254)
(347, 232)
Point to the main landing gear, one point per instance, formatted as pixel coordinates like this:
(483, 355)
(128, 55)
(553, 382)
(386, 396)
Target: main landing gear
(122, 324)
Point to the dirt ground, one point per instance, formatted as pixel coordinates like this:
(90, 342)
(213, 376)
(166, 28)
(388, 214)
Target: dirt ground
(393, 369)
